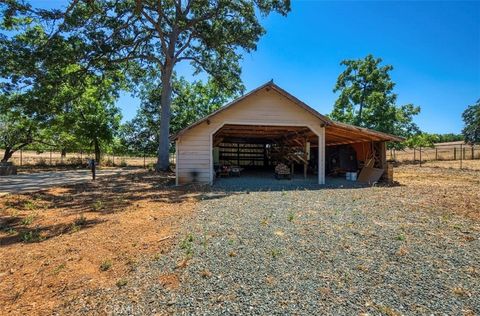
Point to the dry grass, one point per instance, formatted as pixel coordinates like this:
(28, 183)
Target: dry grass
(59, 242)
(453, 164)
(30, 158)
(449, 189)
(441, 153)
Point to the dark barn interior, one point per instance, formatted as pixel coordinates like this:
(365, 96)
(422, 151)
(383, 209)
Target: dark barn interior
(288, 151)
(265, 147)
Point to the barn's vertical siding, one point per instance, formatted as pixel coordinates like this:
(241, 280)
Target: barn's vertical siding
(194, 158)
(193, 161)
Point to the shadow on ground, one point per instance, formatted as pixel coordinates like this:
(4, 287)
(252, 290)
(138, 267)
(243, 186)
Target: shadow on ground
(107, 195)
(265, 181)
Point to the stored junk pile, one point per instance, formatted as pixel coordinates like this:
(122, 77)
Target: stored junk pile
(282, 171)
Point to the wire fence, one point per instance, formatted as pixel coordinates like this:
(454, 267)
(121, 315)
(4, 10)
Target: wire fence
(55, 158)
(453, 156)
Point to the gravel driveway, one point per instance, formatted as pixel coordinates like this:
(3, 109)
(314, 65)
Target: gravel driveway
(379, 251)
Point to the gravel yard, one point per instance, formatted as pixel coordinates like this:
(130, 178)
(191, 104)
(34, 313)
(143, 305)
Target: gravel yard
(408, 249)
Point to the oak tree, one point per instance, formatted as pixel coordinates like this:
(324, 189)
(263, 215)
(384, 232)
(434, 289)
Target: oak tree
(471, 118)
(366, 98)
(160, 34)
(190, 102)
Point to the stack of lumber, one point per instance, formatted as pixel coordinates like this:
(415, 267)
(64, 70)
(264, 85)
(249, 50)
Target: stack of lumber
(282, 169)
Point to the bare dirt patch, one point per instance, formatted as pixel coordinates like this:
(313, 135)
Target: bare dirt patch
(62, 241)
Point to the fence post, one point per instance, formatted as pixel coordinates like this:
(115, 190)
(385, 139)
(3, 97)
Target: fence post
(21, 157)
(473, 156)
(144, 165)
(436, 153)
(420, 156)
(461, 155)
(454, 153)
(414, 155)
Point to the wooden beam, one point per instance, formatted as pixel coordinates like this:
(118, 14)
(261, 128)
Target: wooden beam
(349, 133)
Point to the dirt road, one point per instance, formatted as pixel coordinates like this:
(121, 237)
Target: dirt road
(24, 183)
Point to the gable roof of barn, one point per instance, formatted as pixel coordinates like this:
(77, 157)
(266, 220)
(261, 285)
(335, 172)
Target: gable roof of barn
(324, 119)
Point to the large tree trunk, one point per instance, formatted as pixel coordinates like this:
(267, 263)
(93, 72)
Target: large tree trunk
(8, 153)
(163, 162)
(97, 150)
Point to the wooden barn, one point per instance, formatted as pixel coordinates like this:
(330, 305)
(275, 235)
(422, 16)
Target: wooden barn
(268, 131)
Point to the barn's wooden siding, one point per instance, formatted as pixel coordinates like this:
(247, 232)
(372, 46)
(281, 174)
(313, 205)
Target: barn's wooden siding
(261, 108)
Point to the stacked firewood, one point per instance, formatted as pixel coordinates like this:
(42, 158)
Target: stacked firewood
(282, 169)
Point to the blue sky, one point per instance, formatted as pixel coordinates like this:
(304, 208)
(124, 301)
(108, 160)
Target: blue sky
(433, 46)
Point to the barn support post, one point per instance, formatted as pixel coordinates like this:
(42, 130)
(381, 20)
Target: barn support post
(305, 157)
(321, 157)
(383, 155)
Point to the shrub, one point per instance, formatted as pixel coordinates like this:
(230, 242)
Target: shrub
(187, 244)
(8, 230)
(81, 220)
(28, 220)
(97, 206)
(41, 162)
(123, 163)
(121, 283)
(105, 265)
(29, 205)
(291, 217)
(275, 253)
(74, 228)
(74, 161)
(108, 163)
(59, 268)
(31, 236)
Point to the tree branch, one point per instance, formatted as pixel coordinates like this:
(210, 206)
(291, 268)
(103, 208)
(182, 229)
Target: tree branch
(158, 28)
